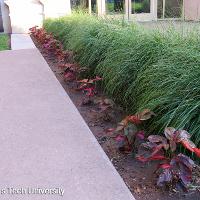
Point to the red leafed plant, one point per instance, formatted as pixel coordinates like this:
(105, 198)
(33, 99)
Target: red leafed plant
(54, 47)
(153, 149)
(71, 71)
(174, 168)
(88, 86)
(180, 136)
(50, 44)
(40, 34)
(177, 171)
(33, 30)
(127, 131)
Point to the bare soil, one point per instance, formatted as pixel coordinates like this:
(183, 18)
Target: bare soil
(140, 178)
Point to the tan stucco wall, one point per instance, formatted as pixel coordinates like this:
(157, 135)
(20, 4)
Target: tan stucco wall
(56, 8)
(28, 13)
(24, 14)
(192, 9)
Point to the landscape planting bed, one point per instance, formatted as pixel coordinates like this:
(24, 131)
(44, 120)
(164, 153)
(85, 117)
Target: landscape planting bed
(139, 177)
(141, 68)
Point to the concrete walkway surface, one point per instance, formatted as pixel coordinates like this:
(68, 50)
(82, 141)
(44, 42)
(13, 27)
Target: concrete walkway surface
(21, 41)
(45, 145)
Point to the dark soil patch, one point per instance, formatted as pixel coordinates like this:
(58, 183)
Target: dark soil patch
(139, 177)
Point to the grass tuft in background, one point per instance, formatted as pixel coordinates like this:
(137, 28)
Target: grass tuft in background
(4, 42)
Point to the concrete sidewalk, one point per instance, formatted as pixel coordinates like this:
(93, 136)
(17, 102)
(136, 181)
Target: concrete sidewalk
(45, 143)
(21, 41)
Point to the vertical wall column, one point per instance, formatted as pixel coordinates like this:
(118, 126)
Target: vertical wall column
(54, 9)
(154, 7)
(24, 14)
(127, 13)
(192, 10)
(1, 19)
(5, 17)
(101, 7)
(102, 11)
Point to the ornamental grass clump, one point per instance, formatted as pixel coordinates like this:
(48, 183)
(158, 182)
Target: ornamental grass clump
(140, 68)
(171, 88)
(132, 51)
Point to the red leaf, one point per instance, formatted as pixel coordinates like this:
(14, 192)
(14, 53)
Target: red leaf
(68, 65)
(157, 139)
(157, 149)
(123, 143)
(140, 135)
(97, 78)
(90, 91)
(182, 135)
(179, 136)
(183, 165)
(82, 86)
(90, 81)
(46, 46)
(165, 177)
(85, 81)
(110, 130)
(197, 152)
(134, 119)
(169, 133)
(120, 138)
(157, 157)
(69, 76)
(141, 158)
(187, 145)
(165, 166)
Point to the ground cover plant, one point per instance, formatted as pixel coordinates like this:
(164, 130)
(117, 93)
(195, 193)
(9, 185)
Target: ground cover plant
(176, 168)
(130, 135)
(4, 42)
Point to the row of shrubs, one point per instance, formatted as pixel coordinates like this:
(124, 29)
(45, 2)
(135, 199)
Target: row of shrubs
(141, 68)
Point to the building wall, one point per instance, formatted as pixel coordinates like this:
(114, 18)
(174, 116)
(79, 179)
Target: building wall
(20, 15)
(1, 21)
(56, 8)
(24, 14)
(192, 10)
(5, 17)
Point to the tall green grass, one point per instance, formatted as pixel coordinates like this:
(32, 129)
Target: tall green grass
(141, 68)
